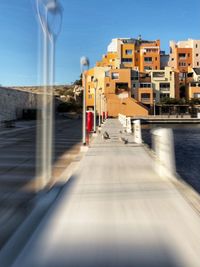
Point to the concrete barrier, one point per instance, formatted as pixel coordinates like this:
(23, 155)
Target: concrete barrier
(163, 145)
(137, 132)
(126, 122)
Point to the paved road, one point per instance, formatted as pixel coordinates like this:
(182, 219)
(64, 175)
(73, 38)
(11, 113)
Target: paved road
(116, 212)
(18, 168)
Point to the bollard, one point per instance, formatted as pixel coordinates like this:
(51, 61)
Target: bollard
(89, 121)
(163, 145)
(128, 125)
(137, 132)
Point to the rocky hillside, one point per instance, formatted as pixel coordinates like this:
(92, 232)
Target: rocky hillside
(66, 93)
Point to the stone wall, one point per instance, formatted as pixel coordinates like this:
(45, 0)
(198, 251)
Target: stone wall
(13, 101)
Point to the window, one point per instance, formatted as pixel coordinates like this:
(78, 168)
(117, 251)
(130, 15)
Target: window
(182, 55)
(158, 74)
(188, 55)
(129, 51)
(148, 59)
(147, 68)
(107, 85)
(197, 55)
(164, 86)
(107, 74)
(163, 95)
(145, 85)
(182, 64)
(156, 59)
(193, 84)
(115, 75)
(172, 59)
(151, 50)
(145, 97)
(197, 63)
(196, 45)
(196, 95)
(127, 60)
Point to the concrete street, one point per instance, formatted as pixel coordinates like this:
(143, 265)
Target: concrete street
(18, 167)
(116, 211)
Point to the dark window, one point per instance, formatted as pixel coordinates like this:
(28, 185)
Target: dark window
(145, 96)
(147, 68)
(158, 74)
(182, 55)
(145, 85)
(148, 59)
(164, 86)
(127, 60)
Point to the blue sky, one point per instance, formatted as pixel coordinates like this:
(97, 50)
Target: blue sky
(88, 27)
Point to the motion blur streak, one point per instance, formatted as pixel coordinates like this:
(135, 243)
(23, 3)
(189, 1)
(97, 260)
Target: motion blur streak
(46, 10)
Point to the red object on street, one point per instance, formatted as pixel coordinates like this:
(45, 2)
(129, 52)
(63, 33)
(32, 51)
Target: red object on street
(103, 116)
(89, 121)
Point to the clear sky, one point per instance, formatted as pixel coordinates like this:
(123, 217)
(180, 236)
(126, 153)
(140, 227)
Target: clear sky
(88, 27)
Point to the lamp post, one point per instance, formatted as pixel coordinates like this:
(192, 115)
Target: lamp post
(47, 9)
(154, 107)
(106, 108)
(100, 107)
(84, 66)
(95, 109)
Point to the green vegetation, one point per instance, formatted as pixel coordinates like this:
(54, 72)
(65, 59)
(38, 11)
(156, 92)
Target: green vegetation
(173, 101)
(69, 107)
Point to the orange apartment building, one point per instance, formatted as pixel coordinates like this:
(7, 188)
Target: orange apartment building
(116, 75)
(184, 55)
(114, 87)
(136, 54)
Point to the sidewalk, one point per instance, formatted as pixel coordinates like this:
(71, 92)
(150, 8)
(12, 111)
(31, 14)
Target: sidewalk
(116, 211)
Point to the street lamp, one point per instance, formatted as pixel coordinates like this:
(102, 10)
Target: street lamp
(154, 107)
(100, 107)
(48, 12)
(106, 108)
(84, 66)
(95, 110)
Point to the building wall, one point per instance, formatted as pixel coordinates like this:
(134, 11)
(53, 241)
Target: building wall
(113, 103)
(142, 98)
(12, 103)
(150, 50)
(125, 56)
(189, 46)
(169, 77)
(109, 60)
(137, 58)
(193, 90)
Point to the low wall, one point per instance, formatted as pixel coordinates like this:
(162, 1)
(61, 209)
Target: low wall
(12, 103)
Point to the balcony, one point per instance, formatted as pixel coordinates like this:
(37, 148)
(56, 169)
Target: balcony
(145, 100)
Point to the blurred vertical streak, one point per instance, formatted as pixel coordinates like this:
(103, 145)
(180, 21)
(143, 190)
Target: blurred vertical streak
(45, 117)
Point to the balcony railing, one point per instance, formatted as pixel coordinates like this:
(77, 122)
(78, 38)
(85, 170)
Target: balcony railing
(145, 100)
